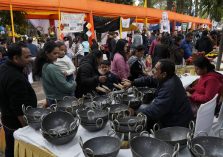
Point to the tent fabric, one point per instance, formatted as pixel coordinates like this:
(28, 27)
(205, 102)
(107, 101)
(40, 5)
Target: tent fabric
(98, 8)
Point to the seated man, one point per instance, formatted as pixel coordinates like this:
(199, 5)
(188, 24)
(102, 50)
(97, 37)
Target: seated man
(170, 106)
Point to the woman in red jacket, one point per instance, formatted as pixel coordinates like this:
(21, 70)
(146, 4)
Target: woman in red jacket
(209, 84)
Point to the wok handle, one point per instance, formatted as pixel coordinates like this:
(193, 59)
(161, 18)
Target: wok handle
(118, 124)
(74, 125)
(23, 109)
(89, 152)
(201, 148)
(99, 123)
(192, 126)
(25, 118)
(69, 109)
(134, 126)
(81, 143)
(53, 107)
(176, 150)
(141, 115)
(165, 155)
(156, 127)
(139, 128)
(91, 115)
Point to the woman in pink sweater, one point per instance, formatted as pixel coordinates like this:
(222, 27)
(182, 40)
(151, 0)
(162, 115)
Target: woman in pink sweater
(119, 64)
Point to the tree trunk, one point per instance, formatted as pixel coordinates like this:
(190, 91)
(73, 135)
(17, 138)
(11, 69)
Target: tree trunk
(169, 4)
(220, 52)
(149, 3)
(196, 8)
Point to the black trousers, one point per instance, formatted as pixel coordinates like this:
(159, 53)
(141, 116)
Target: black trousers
(9, 139)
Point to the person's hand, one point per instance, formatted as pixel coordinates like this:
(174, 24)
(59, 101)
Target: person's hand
(102, 79)
(126, 84)
(188, 94)
(131, 111)
(65, 73)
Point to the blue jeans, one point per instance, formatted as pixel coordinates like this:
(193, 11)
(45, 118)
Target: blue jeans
(9, 139)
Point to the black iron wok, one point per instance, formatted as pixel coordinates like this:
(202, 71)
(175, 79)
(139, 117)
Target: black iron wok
(149, 147)
(104, 146)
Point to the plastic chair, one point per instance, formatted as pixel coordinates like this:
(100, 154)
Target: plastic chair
(217, 124)
(205, 116)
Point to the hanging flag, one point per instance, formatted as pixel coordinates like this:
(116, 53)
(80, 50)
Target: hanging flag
(125, 23)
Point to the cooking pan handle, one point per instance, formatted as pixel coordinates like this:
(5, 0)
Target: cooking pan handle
(74, 125)
(53, 107)
(25, 118)
(132, 127)
(192, 126)
(53, 132)
(91, 115)
(81, 101)
(63, 131)
(89, 152)
(165, 155)
(156, 127)
(176, 150)
(69, 109)
(42, 117)
(141, 115)
(118, 124)
(81, 143)
(23, 109)
(99, 123)
(198, 146)
(139, 128)
(75, 103)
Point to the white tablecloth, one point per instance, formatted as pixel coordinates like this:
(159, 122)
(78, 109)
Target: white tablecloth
(72, 149)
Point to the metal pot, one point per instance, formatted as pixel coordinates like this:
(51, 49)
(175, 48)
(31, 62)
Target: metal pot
(132, 100)
(103, 146)
(143, 146)
(131, 120)
(33, 115)
(173, 135)
(92, 127)
(59, 123)
(148, 94)
(206, 146)
(91, 115)
(116, 109)
(102, 101)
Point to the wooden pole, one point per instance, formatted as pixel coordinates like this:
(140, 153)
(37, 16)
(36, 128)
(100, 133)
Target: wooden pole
(120, 29)
(59, 22)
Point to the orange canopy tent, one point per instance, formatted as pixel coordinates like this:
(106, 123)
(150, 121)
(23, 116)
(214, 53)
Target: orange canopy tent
(96, 8)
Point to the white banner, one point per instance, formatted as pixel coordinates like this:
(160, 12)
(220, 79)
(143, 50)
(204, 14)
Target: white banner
(72, 22)
(165, 26)
(125, 23)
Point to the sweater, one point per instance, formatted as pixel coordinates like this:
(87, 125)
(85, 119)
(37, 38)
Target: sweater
(120, 67)
(66, 65)
(207, 87)
(54, 83)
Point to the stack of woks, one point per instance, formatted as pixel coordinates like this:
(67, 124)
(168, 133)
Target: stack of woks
(93, 119)
(68, 104)
(59, 127)
(125, 124)
(33, 116)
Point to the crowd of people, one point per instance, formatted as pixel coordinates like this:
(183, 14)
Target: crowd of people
(74, 68)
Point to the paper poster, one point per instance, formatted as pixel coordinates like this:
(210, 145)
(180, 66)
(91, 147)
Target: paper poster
(184, 26)
(125, 23)
(72, 22)
(164, 16)
(165, 26)
(89, 33)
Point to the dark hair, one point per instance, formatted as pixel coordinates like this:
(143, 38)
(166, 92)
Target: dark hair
(202, 63)
(15, 49)
(205, 33)
(41, 58)
(120, 45)
(59, 44)
(177, 39)
(166, 65)
(2, 50)
(189, 34)
(138, 49)
(106, 62)
(94, 45)
(30, 40)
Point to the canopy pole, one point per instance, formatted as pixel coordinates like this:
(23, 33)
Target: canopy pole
(59, 21)
(145, 3)
(120, 29)
(12, 23)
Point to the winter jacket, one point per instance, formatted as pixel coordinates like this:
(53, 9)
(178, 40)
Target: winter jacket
(87, 76)
(136, 68)
(120, 67)
(204, 44)
(187, 47)
(176, 54)
(170, 106)
(207, 87)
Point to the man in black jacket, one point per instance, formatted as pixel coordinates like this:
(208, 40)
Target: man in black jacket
(170, 106)
(204, 44)
(15, 90)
